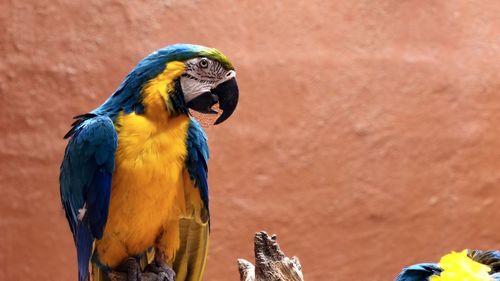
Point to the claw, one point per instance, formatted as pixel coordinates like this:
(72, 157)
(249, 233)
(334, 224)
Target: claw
(163, 276)
(162, 271)
(160, 267)
(131, 268)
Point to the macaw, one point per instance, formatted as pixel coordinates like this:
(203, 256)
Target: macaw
(133, 180)
(474, 265)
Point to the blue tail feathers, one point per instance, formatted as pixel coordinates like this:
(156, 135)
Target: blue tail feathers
(84, 240)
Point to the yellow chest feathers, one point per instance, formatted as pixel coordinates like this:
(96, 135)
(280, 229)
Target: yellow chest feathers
(154, 147)
(151, 187)
(154, 142)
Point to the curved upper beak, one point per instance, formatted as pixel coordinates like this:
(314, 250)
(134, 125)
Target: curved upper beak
(227, 93)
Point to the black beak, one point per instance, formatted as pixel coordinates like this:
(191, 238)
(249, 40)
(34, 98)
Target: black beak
(204, 102)
(228, 94)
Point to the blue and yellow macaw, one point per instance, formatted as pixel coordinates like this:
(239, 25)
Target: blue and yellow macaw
(134, 175)
(467, 265)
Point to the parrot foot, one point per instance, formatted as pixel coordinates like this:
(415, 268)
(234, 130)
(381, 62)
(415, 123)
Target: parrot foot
(163, 273)
(161, 269)
(131, 268)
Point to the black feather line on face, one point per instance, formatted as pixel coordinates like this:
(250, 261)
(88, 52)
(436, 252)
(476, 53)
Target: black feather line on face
(177, 99)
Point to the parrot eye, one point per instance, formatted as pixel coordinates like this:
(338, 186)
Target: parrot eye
(203, 63)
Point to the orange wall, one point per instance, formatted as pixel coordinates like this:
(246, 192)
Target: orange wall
(367, 136)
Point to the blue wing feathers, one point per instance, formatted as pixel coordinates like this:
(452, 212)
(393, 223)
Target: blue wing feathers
(84, 242)
(202, 178)
(419, 272)
(98, 201)
(85, 179)
(197, 159)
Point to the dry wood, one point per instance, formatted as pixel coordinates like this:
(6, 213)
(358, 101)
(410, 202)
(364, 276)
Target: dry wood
(271, 264)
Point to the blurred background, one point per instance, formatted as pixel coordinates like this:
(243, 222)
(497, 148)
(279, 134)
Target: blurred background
(367, 136)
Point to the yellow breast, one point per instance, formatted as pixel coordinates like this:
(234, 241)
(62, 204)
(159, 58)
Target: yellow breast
(147, 187)
(150, 160)
(149, 179)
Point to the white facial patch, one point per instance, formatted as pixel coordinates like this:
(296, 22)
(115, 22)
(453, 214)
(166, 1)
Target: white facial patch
(201, 76)
(193, 88)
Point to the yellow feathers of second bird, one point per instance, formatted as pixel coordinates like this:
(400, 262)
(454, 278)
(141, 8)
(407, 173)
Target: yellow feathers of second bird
(457, 266)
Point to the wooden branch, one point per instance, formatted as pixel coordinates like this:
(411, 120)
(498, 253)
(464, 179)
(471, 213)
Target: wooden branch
(271, 264)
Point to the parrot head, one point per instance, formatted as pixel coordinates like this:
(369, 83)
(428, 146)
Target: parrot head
(207, 82)
(187, 77)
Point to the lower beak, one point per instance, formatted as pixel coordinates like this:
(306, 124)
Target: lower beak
(227, 93)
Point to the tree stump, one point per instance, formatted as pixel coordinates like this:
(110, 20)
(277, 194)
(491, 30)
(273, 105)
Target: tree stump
(271, 264)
